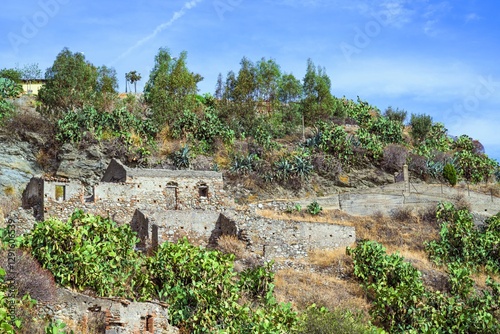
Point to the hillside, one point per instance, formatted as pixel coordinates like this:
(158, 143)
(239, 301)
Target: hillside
(288, 151)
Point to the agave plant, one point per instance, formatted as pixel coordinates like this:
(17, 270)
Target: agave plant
(181, 158)
(284, 169)
(314, 141)
(243, 164)
(302, 167)
(435, 168)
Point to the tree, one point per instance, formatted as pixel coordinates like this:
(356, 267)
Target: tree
(268, 78)
(395, 114)
(171, 87)
(219, 88)
(420, 127)
(71, 84)
(318, 101)
(133, 77)
(13, 74)
(290, 89)
(31, 72)
(107, 88)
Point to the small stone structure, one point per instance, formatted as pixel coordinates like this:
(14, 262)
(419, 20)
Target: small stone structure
(119, 315)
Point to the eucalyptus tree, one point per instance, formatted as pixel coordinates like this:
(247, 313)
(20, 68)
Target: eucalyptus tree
(318, 100)
(171, 87)
(72, 83)
(268, 78)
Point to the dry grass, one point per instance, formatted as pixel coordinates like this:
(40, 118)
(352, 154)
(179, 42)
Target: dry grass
(230, 244)
(303, 288)
(329, 258)
(326, 216)
(9, 191)
(403, 214)
(168, 146)
(28, 276)
(461, 202)
(409, 234)
(43, 158)
(492, 189)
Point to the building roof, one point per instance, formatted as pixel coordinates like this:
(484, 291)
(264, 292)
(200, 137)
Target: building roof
(118, 172)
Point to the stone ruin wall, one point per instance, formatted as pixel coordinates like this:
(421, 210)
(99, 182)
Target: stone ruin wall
(144, 205)
(120, 315)
(269, 237)
(283, 238)
(181, 194)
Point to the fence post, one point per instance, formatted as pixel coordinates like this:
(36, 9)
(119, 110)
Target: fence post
(406, 177)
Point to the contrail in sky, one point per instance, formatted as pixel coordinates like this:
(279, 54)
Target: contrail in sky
(177, 15)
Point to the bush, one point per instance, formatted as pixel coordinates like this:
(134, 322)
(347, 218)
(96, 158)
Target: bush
(402, 214)
(201, 289)
(314, 208)
(89, 251)
(29, 277)
(319, 320)
(402, 304)
(420, 126)
(450, 174)
(394, 157)
(460, 242)
(395, 114)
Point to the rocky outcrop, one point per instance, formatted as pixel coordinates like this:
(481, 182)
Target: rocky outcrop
(86, 165)
(17, 164)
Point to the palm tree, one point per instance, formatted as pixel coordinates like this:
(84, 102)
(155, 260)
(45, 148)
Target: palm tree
(133, 77)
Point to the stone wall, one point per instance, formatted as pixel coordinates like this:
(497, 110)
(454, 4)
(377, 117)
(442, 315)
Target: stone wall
(121, 316)
(181, 194)
(282, 238)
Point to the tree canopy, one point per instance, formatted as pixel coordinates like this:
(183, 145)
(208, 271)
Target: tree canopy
(72, 82)
(171, 87)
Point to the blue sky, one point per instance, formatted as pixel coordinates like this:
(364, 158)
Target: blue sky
(434, 57)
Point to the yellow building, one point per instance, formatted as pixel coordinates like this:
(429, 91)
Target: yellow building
(31, 87)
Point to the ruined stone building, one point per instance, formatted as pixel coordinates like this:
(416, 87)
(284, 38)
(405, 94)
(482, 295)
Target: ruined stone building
(164, 205)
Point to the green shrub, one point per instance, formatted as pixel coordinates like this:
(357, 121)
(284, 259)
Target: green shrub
(89, 251)
(201, 289)
(181, 158)
(395, 114)
(450, 174)
(420, 127)
(402, 304)
(119, 123)
(8, 323)
(314, 208)
(460, 242)
(319, 320)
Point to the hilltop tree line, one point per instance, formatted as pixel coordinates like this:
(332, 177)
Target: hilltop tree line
(260, 104)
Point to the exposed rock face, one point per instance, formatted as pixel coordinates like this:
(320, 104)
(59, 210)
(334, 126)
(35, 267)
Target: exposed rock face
(87, 166)
(22, 221)
(17, 164)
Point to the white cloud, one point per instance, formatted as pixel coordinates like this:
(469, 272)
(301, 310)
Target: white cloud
(472, 17)
(177, 15)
